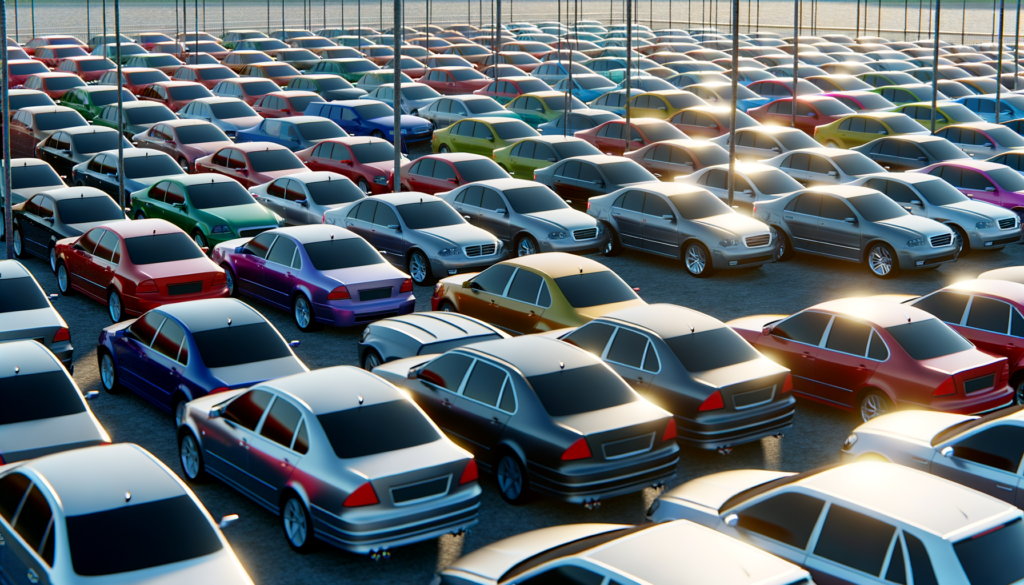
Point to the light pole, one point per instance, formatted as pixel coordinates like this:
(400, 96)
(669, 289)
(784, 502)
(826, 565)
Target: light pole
(397, 28)
(1016, 48)
(735, 74)
(5, 111)
(796, 51)
(999, 60)
(935, 64)
(120, 106)
(629, 74)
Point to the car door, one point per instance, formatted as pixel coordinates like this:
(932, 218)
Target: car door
(838, 229)
(387, 233)
(520, 159)
(801, 216)
(226, 440)
(796, 165)
(32, 521)
(30, 224)
(481, 420)
(659, 229)
(274, 450)
(249, 265)
(978, 187)
(521, 307)
(834, 559)
(481, 298)
(166, 359)
(563, 180)
(440, 382)
(821, 171)
(134, 362)
(590, 181)
(781, 524)
(82, 271)
(987, 459)
(106, 257)
(633, 357)
(273, 197)
(846, 361)
(793, 343)
(443, 177)
(994, 326)
(420, 174)
(495, 215)
(296, 204)
(482, 141)
(627, 211)
(360, 220)
(279, 278)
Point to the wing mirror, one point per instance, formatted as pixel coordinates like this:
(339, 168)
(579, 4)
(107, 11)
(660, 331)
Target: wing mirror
(766, 330)
(92, 395)
(393, 226)
(668, 217)
(732, 520)
(851, 220)
(501, 211)
(181, 206)
(748, 192)
(453, 181)
(990, 189)
(915, 202)
(217, 411)
(414, 372)
(946, 452)
(833, 174)
(303, 202)
(776, 149)
(988, 145)
(227, 521)
(467, 284)
(688, 164)
(880, 132)
(922, 158)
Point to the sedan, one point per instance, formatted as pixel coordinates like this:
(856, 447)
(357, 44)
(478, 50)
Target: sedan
(543, 106)
(371, 118)
(454, 80)
(134, 79)
(422, 333)
(481, 135)
(208, 75)
(759, 143)
(142, 168)
(294, 132)
(284, 103)
(72, 146)
(448, 110)
(134, 117)
(90, 100)
(946, 113)
(671, 159)
(754, 182)
(579, 178)
(415, 96)
(587, 87)
(720, 93)
(28, 177)
(54, 83)
(247, 89)
(184, 140)
(568, 123)
(18, 70)
(26, 98)
(368, 162)
(984, 106)
(28, 314)
(706, 122)
(617, 444)
(824, 166)
(525, 156)
(812, 111)
(228, 114)
(437, 173)
(981, 139)
(984, 181)
(859, 129)
(29, 126)
(251, 163)
(909, 152)
(303, 198)
(175, 94)
(611, 137)
(330, 87)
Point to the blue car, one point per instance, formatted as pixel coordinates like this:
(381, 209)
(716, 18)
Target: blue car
(1011, 106)
(183, 351)
(294, 132)
(578, 120)
(142, 167)
(586, 87)
(372, 118)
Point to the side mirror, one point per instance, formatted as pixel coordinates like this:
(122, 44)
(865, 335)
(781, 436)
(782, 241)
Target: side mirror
(880, 132)
(303, 202)
(294, 343)
(748, 192)
(414, 373)
(946, 452)
(217, 411)
(814, 115)
(501, 211)
(393, 226)
(732, 520)
(915, 202)
(668, 217)
(205, 249)
(455, 181)
(766, 330)
(776, 149)
(467, 218)
(833, 174)
(990, 189)
(239, 250)
(119, 334)
(851, 220)
(227, 521)
(988, 145)
(181, 206)
(467, 284)
(688, 164)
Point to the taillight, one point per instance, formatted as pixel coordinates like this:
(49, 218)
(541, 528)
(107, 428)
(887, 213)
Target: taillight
(406, 286)
(947, 388)
(713, 402)
(755, 210)
(588, 204)
(363, 496)
(1006, 371)
(438, 290)
(219, 390)
(220, 279)
(578, 450)
(339, 294)
(62, 334)
(1, 459)
(323, 218)
(670, 430)
(787, 386)
(469, 473)
(147, 286)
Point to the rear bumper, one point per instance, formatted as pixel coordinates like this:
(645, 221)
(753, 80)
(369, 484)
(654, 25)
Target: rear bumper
(353, 315)
(736, 428)
(987, 402)
(578, 482)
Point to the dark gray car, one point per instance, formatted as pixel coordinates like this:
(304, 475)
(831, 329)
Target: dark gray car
(26, 313)
(582, 177)
(28, 177)
(68, 147)
(426, 333)
(545, 416)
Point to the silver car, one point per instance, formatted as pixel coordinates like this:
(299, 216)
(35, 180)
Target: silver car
(671, 553)
(26, 313)
(415, 96)
(527, 217)
(450, 109)
(982, 140)
(42, 411)
(341, 455)
(976, 225)
(856, 224)
(420, 234)
(431, 332)
(683, 222)
(754, 182)
(228, 114)
(825, 166)
(110, 514)
(28, 177)
(304, 198)
(758, 143)
(1010, 273)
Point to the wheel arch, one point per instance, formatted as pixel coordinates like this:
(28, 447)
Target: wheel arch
(867, 248)
(689, 240)
(867, 389)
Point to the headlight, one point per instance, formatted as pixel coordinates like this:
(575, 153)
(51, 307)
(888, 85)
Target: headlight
(728, 243)
(381, 180)
(984, 225)
(221, 229)
(448, 252)
(850, 442)
(557, 236)
(916, 242)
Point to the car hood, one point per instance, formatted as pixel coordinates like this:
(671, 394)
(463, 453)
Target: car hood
(735, 223)
(249, 374)
(242, 123)
(459, 235)
(569, 219)
(405, 121)
(243, 215)
(917, 225)
(35, 438)
(360, 274)
(915, 425)
(979, 210)
(712, 491)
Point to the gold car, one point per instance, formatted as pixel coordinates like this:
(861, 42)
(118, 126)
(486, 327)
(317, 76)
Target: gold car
(540, 292)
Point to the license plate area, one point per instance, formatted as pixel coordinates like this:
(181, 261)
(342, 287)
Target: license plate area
(188, 288)
(374, 294)
(628, 447)
(753, 398)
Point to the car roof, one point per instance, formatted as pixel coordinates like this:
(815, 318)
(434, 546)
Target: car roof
(554, 138)
(535, 356)
(454, 156)
(303, 119)
(217, 99)
(435, 326)
(183, 122)
(256, 146)
(769, 129)
(307, 234)
(506, 184)
(13, 269)
(558, 264)
(75, 193)
(998, 288)
(879, 312)
(134, 152)
(981, 165)
(140, 104)
(337, 388)
(211, 314)
(201, 179)
(598, 158)
(983, 126)
(141, 227)
(26, 162)
(906, 177)
(666, 320)
(36, 110)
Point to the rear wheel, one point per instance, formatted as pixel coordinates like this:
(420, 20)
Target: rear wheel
(191, 458)
(302, 311)
(64, 280)
(697, 260)
(183, 163)
(513, 484)
(961, 241)
(199, 239)
(378, 134)
(19, 245)
(613, 247)
(443, 149)
(53, 257)
(831, 144)
(371, 360)
(447, 307)
(115, 307)
(1018, 390)
(108, 373)
(874, 404)
(297, 525)
(229, 276)
(783, 247)
(882, 261)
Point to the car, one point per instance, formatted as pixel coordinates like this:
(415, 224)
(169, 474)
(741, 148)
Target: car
(351, 70)
(31, 125)
(609, 136)
(127, 51)
(812, 111)
(981, 139)
(480, 135)
(329, 87)
(907, 152)
(506, 89)
(281, 104)
(25, 98)
(28, 177)
(976, 225)
(523, 157)
(165, 62)
(859, 129)
(1011, 159)
(453, 80)
(720, 93)
(908, 93)
(447, 110)
(133, 117)
(415, 96)
(29, 315)
(582, 177)
(706, 122)
(51, 41)
(421, 334)
(882, 234)
(185, 140)
(247, 89)
(946, 113)
(754, 182)
(18, 70)
(97, 40)
(984, 181)
(760, 143)
(568, 123)
(586, 87)
(251, 48)
(524, 61)
(838, 82)
(303, 198)
(649, 553)
(174, 94)
(239, 58)
(540, 107)
(614, 101)
(251, 163)
(824, 166)
(419, 233)
(134, 79)
(366, 161)
(863, 101)
(53, 83)
(208, 75)
(142, 168)
(294, 132)
(436, 173)
(661, 104)
(669, 159)
(773, 89)
(369, 118)
(810, 519)
(51, 496)
(228, 114)
(90, 100)
(66, 148)
(278, 72)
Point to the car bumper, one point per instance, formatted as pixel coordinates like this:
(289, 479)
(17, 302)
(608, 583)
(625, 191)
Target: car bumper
(740, 257)
(579, 482)
(736, 428)
(571, 246)
(926, 258)
(449, 266)
(987, 402)
(65, 353)
(360, 313)
(993, 238)
(139, 305)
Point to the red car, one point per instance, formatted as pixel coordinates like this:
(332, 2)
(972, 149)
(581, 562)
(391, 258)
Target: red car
(863, 101)
(454, 80)
(208, 75)
(678, 158)
(172, 48)
(50, 40)
(534, 48)
(134, 79)
(280, 104)
(19, 70)
(874, 356)
(89, 68)
(772, 88)
(54, 83)
(184, 140)
(136, 266)
(610, 137)
(148, 39)
(703, 122)
(437, 173)
(279, 73)
(811, 111)
(368, 162)
(175, 94)
(247, 89)
(506, 89)
(252, 163)
(52, 55)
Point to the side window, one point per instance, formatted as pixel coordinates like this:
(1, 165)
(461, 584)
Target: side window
(485, 383)
(447, 371)
(107, 246)
(974, 180)
(525, 287)
(848, 336)
(877, 349)
(920, 564)
(854, 540)
(34, 524)
(494, 279)
(281, 422)
(999, 447)
(145, 328)
(592, 337)
(1016, 324)
(247, 409)
(788, 518)
(834, 208)
(628, 348)
(277, 188)
(12, 490)
(294, 190)
(570, 170)
(385, 216)
(444, 171)
(806, 327)
(656, 206)
(808, 204)
(88, 242)
(365, 211)
(946, 306)
(565, 575)
(820, 165)
(482, 132)
(169, 339)
(282, 252)
(260, 245)
(989, 315)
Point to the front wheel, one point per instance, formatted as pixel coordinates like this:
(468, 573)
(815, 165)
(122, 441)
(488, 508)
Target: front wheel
(419, 269)
(52, 255)
(1018, 391)
(882, 261)
(874, 404)
(513, 484)
(115, 307)
(297, 525)
(229, 277)
(64, 280)
(613, 247)
(378, 134)
(200, 239)
(108, 373)
(697, 260)
(961, 241)
(371, 360)
(526, 246)
(302, 311)
(443, 149)
(19, 245)
(783, 247)
(183, 163)
(191, 457)
(363, 186)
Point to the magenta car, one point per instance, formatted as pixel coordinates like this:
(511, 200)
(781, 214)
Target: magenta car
(982, 181)
(184, 140)
(321, 273)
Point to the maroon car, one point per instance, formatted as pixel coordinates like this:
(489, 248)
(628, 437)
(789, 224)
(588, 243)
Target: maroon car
(454, 80)
(89, 68)
(610, 137)
(146, 40)
(50, 40)
(708, 121)
(437, 173)
(134, 79)
(247, 89)
(175, 94)
(52, 55)
(523, 61)
(252, 163)
(208, 75)
(284, 103)
(811, 111)
(368, 162)
(54, 83)
(677, 158)
(20, 69)
(184, 140)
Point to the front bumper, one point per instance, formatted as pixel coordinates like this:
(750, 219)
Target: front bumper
(571, 246)
(735, 428)
(578, 482)
(993, 238)
(741, 257)
(925, 257)
(442, 268)
(358, 313)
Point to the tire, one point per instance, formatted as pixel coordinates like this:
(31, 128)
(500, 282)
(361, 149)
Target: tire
(115, 306)
(526, 246)
(183, 163)
(378, 134)
(371, 359)
(179, 410)
(363, 186)
(447, 307)
(64, 282)
(697, 260)
(19, 244)
(52, 255)
(614, 245)
(232, 283)
(302, 313)
(140, 214)
(964, 241)
(297, 525)
(414, 113)
(783, 247)
(200, 239)
(108, 373)
(443, 149)
(190, 456)
(513, 482)
(882, 260)
(1018, 390)
(418, 268)
(872, 404)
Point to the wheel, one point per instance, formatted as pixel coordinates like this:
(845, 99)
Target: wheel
(302, 312)
(371, 360)
(1018, 390)
(697, 260)
(64, 280)
(229, 276)
(19, 246)
(512, 481)
(447, 307)
(526, 246)
(882, 261)
(831, 144)
(613, 247)
(191, 457)
(443, 149)
(783, 248)
(115, 307)
(79, 183)
(140, 214)
(183, 163)
(961, 241)
(378, 134)
(874, 404)
(297, 525)
(108, 373)
(419, 269)
(199, 239)
(363, 186)
(53, 257)
(179, 411)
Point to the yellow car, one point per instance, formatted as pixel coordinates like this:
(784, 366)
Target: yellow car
(946, 113)
(662, 104)
(540, 292)
(864, 127)
(542, 106)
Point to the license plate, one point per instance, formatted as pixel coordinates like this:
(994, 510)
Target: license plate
(375, 293)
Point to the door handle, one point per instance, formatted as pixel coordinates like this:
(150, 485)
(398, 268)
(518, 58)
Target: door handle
(919, 460)
(1004, 487)
(495, 421)
(446, 404)
(33, 577)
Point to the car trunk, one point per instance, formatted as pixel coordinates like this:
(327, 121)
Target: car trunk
(368, 283)
(38, 324)
(746, 385)
(973, 371)
(435, 473)
(621, 431)
(185, 278)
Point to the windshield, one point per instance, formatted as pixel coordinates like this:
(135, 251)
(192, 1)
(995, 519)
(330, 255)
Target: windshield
(27, 68)
(939, 192)
(1006, 137)
(989, 558)
(429, 214)
(21, 294)
(268, 161)
(234, 109)
(558, 103)
(604, 389)
(904, 124)
(422, 92)
(571, 148)
(943, 150)
(342, 253)
(161, 61)
(373, 152)
(107, 97)
(216, 73)
(594, 288)
(59, 120)
(150, 114)
(29, 100)
(279, 70)
(774, 182)
(144, 77)
(959, 113)
(626, 172)
(320, 130)
(832, 107)
(877, 207)
(534, 199)
(96, 64)
(259, 87)
(377, 428)
(30, 177)
(200, 133)
(927, 339)
(334, 192)
(88, 210)
(329, 83)
(660, 132)
(795, 140)
(596, 82)
(466, 74)
(98, 141)
(480, 170)
(698, 205)
(160, 248)
(240, 344)
(532, 85)
(142, 167)
(857, 164)
(1007, 179)
(375, 110)
(223, 194)
(359, 66)
(188, 92)
(58, 83)
(484, 106)
(514, 129)
(710, 350)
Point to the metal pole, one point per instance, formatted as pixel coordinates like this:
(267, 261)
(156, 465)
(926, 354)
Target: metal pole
(999, 60)
(380, 11)
(1016, 47)
(497, 26)
(879, 23)
(17, 30)
(428, 25)
(735, 74)
(796, 51)
(629, 74)
(120, 107)
(857, 30)
(757, 25)
(88, 20)
(935, 64)
(223, 27)
(963, 24)
(196, 13)
(5, 111)
(268, 17)
(33, 20)
(906, 12)
(397, 61)
(283, 26)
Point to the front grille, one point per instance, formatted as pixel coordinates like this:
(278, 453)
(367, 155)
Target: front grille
(586, 234)
(420, 491)
(758, 241)
(943, 240)
(981, 383)
(1008, 223)
(753, 398)
(188, 288)
(252, 232)
(485, 250)
(373, 294)
(627, 447)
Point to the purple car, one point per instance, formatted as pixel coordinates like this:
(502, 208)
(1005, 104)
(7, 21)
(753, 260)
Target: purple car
(982, 181)
(321, 273)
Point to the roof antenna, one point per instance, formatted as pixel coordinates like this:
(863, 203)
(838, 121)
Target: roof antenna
(229, 321)
(561, 365)
(127, 497)
(691, 328)
(907, 316)
(360, 401)
(16, 370)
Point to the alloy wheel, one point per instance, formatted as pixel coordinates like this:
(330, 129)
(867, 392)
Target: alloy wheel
(510, 478)
(199, 239)
(62, 278)
(190, 457)
(1019, 392)
(229, 278)
(114, 306)
(880, 261)
(873, 405)
(696, 261)
(418, 268)
(107, 374)
(303, 315)
(17, 243)
(295, 523)
(53, 258)
(372, 361)
(525, 247)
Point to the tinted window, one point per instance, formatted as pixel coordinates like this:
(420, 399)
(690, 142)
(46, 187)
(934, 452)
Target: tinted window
(525, 286)
(446, 371)
(334, 192)
(566, 575)
(514, 130)
(281, 422)
(709, 350)
(88, 210)
(876, 207)
(855, 540)
(534, 199)
(268, 161)
(168, 339)
(494, 279)
(377, 428)
(29, 177)
(342, 253)
(594, 288)
(622, 173)
(940, 192)
(21, 294)
(991, 558)
(57, 120)
(559, 391)
(240, 344)
(282, 252)
(592, 337)
(848, 336)
(162, 248)
(806, 327)
(989, 314)
(628, 348)
(97, 141)
(574, 148)
(228, 110)
(999, 447)
(429, 214)
(788, 518)
(699, 205)
(247, 409)
(141, 167)
(12, 491)
(834, 208)
(222, 194)
(931, 338)
(920, 564)
(34, 519)
(36, 396)
(484, 383)
(200, 133)
(946, 306)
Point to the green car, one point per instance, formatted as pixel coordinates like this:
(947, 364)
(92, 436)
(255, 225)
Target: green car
(864, 127)
(91, 99)
(480, 135)
(946, 113)
(542, 106)
(212, 208)
(351, 70)
(529, 154)
(907, 94)
(139, 116)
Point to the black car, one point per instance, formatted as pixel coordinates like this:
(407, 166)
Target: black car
(582, 177)
(910, 151)
(143, 167)
(66, 148)
(28, 177)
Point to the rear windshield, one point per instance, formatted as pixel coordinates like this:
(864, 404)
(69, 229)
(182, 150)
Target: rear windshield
(377, 428)
(150, 115)
(27, 68)
(931, 338)
(98, 141)
(429, 214)
(88, 210)
(373, 111)
(107, 97)
(201, 133)
(877, 207)
(300, 103)
(268, 161)
(573, 148)
(532, 85)
(188, 92)
(992, 558)
(228, 110)
(561, 392)
(37, 396)
(320, 130)
(943, 150)
(279, 70)
(58, 120)
(29, 100)
(419, 93)
(210, 195)
(159, 248)
(513, 130)
(594, 288)
(342, 253)
(143, 77)
(904, 124)
(96, 64)
(373, 152)
(795, 140)
(334, 192)
(1007, 179)
(141, 167)
(240, 344)
(710, 350)
(626, 172)
(485, 106)
(832, 107)
(857, 164)
(698, 205)
(595, 82)
(63, 83)
(480, 170)
(329, 83)
(30, 177)
(21, 294)
(259, 87)
(558, 103)
(145, 535)
(215, 73)
(774, 182)
(534, 199)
